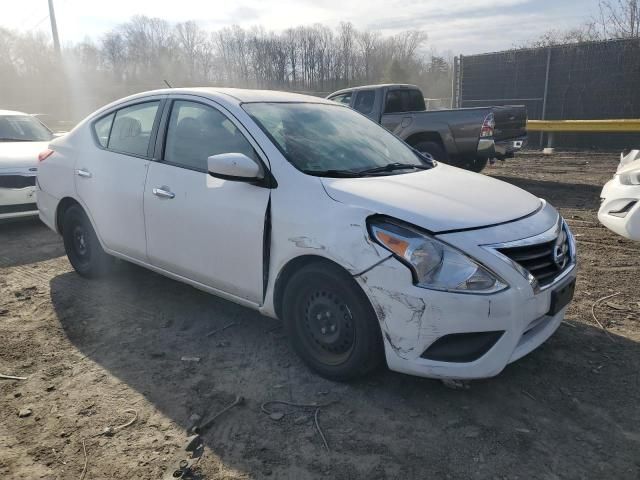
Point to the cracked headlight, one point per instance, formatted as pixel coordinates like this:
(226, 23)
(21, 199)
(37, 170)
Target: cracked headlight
(434, 264)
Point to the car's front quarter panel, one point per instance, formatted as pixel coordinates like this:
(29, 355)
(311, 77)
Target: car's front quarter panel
(305, 221)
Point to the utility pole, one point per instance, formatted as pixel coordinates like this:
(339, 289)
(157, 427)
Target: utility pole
(54, 28)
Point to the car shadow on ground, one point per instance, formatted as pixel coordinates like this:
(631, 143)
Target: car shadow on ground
(29, 241)
(572, 403)
(559, 194)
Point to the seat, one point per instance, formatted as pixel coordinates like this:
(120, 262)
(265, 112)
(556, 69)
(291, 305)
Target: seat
(126, 136)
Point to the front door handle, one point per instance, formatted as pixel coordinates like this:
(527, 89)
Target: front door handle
(163, 192)
(83, 173)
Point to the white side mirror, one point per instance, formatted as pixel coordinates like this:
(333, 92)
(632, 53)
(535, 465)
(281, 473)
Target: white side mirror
(234, 166)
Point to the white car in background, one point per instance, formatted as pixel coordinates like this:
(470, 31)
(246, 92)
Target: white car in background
(307, 211)
(22, 138)
(620, 208)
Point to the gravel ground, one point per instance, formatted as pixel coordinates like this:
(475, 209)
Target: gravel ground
(92, 350)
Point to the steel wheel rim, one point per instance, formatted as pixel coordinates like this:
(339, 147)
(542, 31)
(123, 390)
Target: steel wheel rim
(328, 327)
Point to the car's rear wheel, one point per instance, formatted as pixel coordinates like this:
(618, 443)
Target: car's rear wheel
(475, 164)
(435, 149)
(331, 323)
(82, 245)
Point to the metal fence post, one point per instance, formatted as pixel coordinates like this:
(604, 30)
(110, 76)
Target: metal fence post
(460, 77)
(454, 82)
(544, 96)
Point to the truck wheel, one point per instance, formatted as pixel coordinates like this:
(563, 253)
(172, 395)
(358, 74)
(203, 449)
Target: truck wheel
(435, 149)
(331, 324)
(475, 164)
(82, 245)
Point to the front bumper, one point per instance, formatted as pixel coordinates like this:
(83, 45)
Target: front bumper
(501, 149)
(413, 319)
(620, 208)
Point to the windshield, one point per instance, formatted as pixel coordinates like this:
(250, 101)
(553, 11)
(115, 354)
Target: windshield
(323, 139)
(23, 128)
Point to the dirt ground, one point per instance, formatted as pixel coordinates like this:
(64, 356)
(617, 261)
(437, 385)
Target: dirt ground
(94, 349)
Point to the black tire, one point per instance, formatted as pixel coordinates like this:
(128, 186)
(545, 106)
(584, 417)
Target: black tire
(331, 324)
(475, 164)
(82, 245)
(435, 149)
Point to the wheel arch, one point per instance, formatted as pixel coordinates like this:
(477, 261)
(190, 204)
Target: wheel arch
(415, 138)
(290, 268)
(63, 206)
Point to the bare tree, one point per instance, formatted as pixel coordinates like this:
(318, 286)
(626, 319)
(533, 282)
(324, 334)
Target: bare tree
(140, 53)
(620, 18)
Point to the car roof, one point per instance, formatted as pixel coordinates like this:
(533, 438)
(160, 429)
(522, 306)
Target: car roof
(235, 95)
(6, 113)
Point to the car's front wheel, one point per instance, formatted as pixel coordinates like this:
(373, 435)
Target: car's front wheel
(82, 245)
(331, 323)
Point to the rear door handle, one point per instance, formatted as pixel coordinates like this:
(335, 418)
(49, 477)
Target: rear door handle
(163, 192)
(83, 173)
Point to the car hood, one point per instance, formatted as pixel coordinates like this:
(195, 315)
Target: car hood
(441, 199)
(20, 154)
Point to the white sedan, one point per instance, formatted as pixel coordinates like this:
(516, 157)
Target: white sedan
(305, 210)
(22, 138)
(620, 208)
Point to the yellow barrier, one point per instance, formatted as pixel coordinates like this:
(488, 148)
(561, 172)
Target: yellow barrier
(583, 125)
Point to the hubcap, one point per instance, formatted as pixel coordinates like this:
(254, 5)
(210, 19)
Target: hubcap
(80, 241)
(329, 323)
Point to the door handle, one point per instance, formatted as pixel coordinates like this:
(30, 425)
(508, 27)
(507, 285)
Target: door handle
(83, 173)
(163, 192)
(406, 121)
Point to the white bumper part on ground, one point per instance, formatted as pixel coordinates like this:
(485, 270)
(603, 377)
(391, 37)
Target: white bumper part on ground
(620, 208)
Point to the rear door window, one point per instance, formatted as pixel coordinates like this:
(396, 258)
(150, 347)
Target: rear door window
(393, 103)
(131, 130)
(364, 101)
(415, 101)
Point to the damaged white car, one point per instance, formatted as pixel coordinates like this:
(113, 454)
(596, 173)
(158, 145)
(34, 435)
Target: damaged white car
(307, 211)
(620, 208)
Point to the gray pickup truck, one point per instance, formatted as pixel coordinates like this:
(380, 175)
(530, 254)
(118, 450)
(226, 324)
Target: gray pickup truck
(465, 137)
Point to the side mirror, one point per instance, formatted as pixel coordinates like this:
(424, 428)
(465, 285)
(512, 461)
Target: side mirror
(234, 166)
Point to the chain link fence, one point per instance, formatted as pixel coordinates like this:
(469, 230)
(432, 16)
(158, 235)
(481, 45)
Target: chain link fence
(588, 81)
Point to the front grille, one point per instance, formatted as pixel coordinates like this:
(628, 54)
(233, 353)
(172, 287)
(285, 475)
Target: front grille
(545, 261)
(17, 181)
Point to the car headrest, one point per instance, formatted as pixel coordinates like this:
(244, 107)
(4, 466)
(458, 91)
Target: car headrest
(127, 127)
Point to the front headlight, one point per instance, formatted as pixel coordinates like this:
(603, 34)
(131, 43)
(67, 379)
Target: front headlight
(434, 264)
(630, 178)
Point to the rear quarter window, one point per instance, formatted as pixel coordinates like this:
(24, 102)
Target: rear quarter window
(101, 128)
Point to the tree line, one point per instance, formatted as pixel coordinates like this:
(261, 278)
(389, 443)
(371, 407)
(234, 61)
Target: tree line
(145, 52)
(616, 19)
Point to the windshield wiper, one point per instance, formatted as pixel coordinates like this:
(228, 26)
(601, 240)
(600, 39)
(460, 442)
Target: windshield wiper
(333, 173)
(7, 139)
(393, 167)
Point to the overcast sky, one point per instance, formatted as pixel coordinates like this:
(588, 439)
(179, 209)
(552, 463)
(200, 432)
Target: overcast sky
(461, 26)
